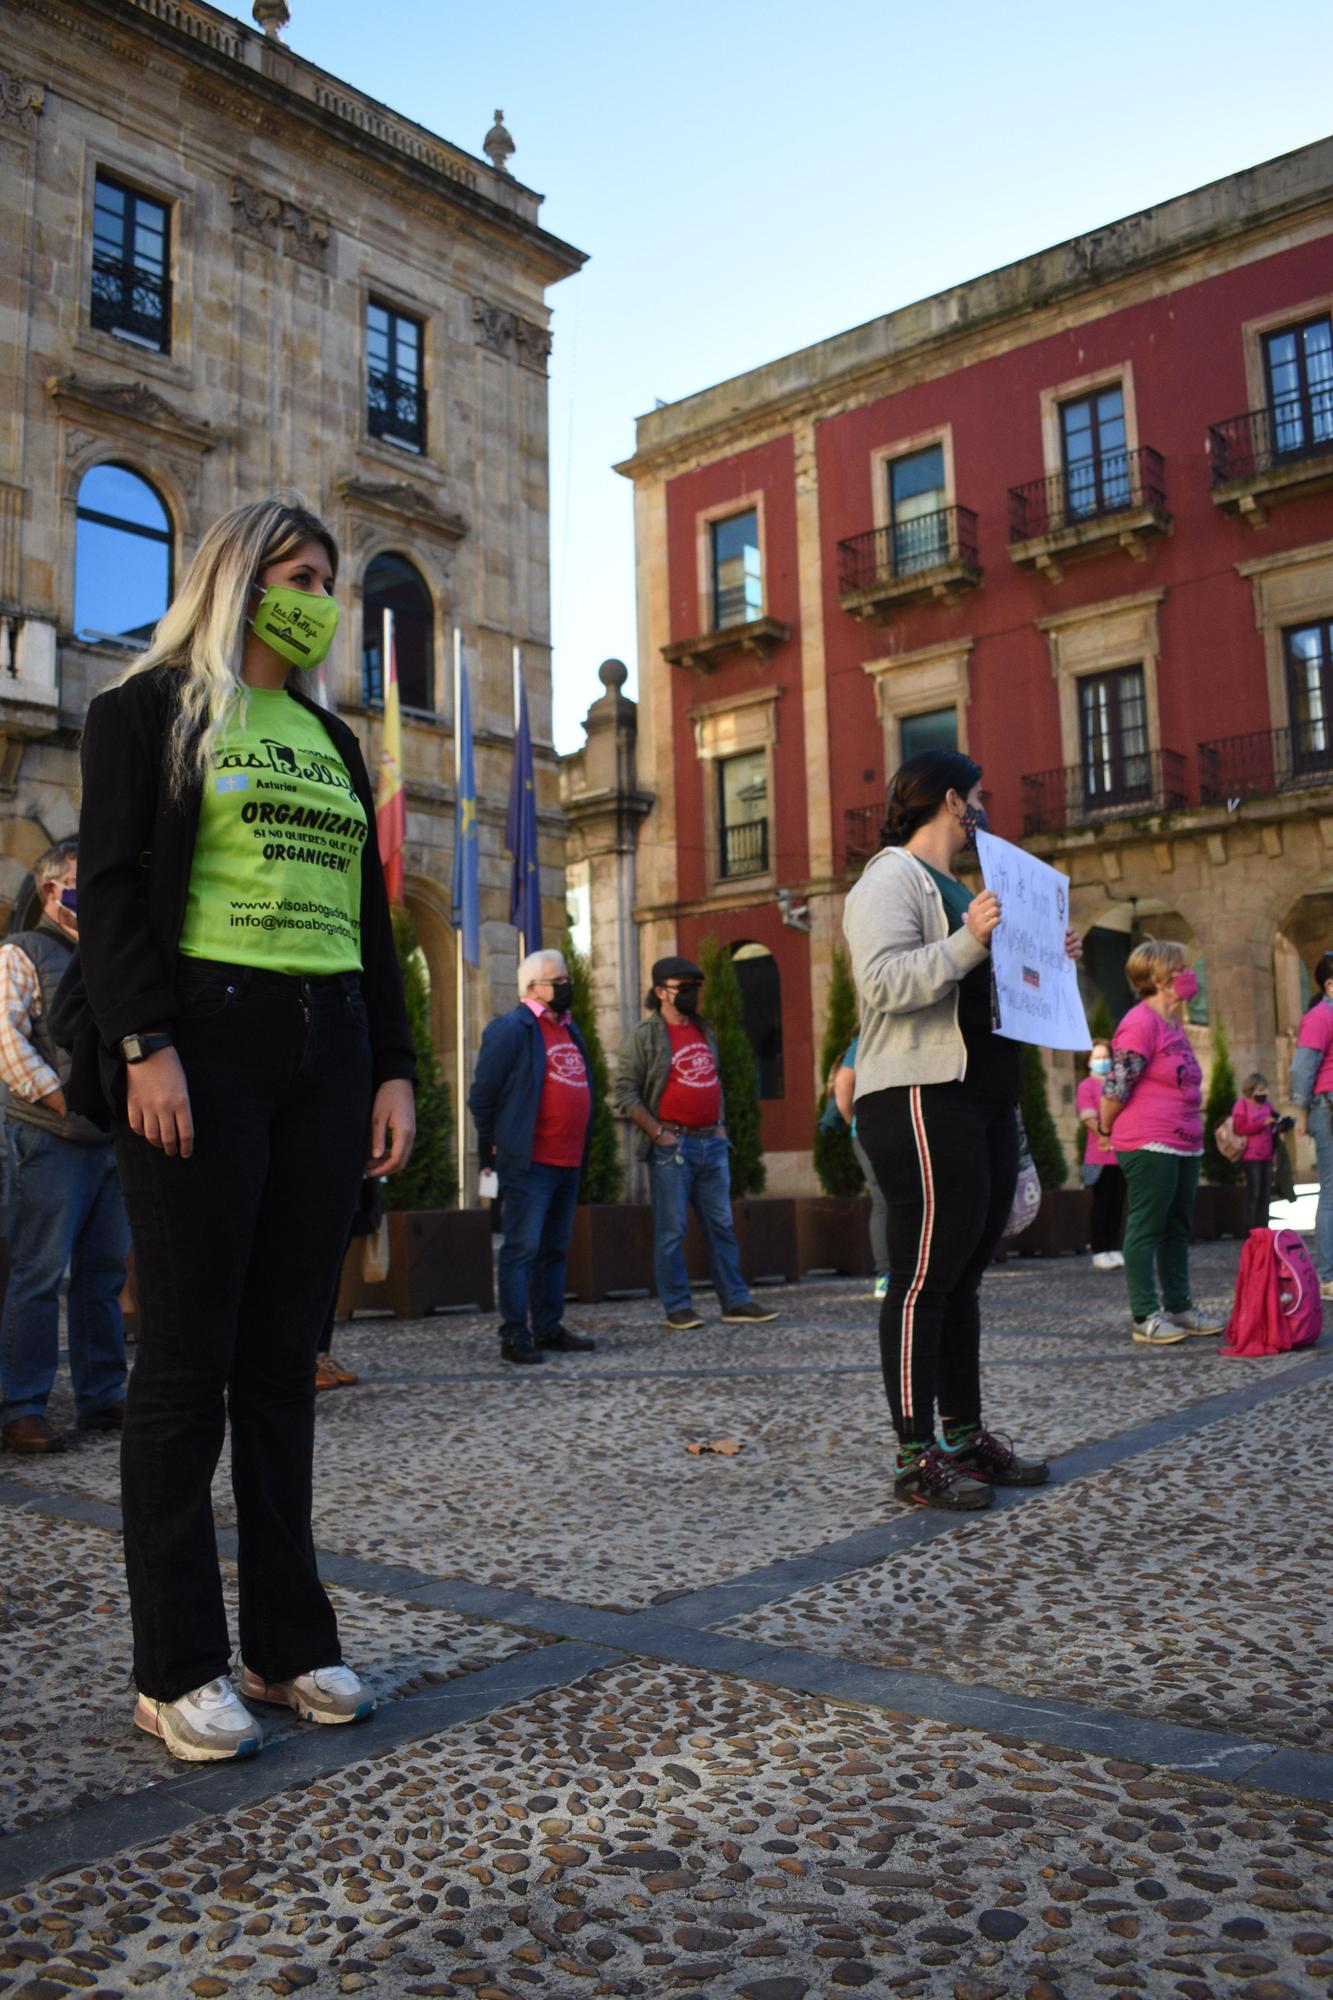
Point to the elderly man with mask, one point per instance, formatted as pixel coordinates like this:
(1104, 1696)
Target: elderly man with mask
(531, 1101)
(668, 1085)
(64, 1202)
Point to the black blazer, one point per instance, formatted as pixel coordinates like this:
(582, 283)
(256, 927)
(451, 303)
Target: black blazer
(136, 846)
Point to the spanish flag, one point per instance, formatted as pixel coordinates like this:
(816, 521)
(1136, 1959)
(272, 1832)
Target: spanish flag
(390, 796)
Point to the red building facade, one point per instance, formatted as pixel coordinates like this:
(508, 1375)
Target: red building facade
(1074, 516)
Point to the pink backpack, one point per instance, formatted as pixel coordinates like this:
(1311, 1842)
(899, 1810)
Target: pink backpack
(1277, 1304)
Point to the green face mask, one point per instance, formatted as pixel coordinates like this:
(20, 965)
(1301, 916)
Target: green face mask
(298, 624)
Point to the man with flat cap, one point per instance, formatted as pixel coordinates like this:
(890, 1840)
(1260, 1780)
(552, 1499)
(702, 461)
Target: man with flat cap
(668, 1085)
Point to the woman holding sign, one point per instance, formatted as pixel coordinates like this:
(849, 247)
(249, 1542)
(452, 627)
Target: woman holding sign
(936, 1108)
(257, 1062)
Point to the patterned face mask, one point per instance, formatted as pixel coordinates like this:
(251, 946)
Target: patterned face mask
(975, 820)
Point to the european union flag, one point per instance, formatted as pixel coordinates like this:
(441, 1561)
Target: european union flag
(467, 895)
(525, 894)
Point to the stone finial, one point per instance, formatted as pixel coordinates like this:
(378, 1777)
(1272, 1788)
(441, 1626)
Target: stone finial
(613, 674)
(498, 145)
(272, 16)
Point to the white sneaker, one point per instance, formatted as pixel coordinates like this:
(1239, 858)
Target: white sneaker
(328, 1694)
(1197, 1319)
(204, 1726)
(1117, 1257)
(1103, 1260)
(1157, 1332)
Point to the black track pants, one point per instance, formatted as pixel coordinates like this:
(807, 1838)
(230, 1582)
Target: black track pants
(947, 1161)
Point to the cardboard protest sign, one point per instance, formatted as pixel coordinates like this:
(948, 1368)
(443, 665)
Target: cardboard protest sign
(1036, 982)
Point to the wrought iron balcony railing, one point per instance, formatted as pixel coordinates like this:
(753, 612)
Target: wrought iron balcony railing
(860, 834)
(1245, 447)
(745, 848)
(1095, 489)
(395, 410)
(1265, 763)
(129, 300)
(1084, 794)
(885, 555)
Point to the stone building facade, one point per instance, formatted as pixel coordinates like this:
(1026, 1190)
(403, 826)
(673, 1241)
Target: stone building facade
(224, 271)
(1020, 517)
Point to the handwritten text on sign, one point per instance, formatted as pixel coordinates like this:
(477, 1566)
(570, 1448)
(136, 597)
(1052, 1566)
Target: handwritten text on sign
(1035, 980)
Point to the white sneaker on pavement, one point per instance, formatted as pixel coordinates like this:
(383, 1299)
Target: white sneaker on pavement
(1103, 1260)
(1197, 1319)
(1117, 1257)
(206, 1725)
(327, 1694)
(1157, 1332)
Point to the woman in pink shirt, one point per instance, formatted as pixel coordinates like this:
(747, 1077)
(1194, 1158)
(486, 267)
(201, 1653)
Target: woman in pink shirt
(1101, 1169)
(1152, 1098)
(1312, 1094)
(1257, 1123)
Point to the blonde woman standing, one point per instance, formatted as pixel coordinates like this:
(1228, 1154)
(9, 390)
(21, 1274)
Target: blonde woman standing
(238, 962)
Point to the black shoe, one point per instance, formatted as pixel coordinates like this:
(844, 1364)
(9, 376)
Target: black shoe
(999, 1464)
(522, 1353)
(111, 1417)
(683, 1320)
(748, 1312)
(938, 1480)
(561, 1341)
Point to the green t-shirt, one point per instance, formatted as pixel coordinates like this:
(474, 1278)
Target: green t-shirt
(956, 895)
(276, 876)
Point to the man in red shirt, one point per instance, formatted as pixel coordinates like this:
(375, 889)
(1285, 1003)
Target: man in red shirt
(531, 1099)
(668, 1085)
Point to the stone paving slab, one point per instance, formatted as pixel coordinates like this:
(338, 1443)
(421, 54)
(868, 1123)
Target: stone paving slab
(649, 1832)
(1189, 1584)
(66, 1739)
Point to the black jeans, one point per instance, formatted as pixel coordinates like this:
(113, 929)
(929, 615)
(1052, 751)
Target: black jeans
(1258, 1193)
(947, 1160)
(1108, 1210)
(236, 1253)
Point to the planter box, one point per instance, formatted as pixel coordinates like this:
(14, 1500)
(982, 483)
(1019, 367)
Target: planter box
(610, 1251)
(1060, 1227)
(765, 1234)
(1218, 1211)
(833, 1234)
(437, 1257)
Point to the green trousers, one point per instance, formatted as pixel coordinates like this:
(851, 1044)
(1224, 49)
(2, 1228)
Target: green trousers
(1162, 1187)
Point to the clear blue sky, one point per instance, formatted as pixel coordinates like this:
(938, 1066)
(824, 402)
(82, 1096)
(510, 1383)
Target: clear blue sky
(750, 178)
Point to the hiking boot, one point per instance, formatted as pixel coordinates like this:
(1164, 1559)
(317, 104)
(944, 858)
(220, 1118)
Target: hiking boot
(202, 1727)
(938, 1480)
(329, 1694)
(998, 1463)
(1197, 1319)
(1157, 1332)
(748, 1313)
(683, 1319)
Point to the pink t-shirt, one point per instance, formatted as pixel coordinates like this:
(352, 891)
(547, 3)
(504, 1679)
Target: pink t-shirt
(1164, 1108)
(1317, 1033)
(1254, 1124)
(1088, 1097)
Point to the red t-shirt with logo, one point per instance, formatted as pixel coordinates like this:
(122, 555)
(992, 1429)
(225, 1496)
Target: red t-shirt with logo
(693, 1095)
(566, 1106)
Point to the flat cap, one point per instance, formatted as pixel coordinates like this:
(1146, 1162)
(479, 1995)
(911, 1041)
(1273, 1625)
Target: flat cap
(675, 968)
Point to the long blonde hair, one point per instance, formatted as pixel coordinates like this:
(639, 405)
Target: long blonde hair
(202, 631)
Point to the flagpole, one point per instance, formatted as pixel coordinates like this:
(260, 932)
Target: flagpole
(460, 996)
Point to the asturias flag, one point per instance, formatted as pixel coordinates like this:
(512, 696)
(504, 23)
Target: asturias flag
(525, 895)
(467, 894)
(390, 797)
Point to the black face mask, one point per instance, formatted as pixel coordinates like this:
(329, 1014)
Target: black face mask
(562, 995)
(687, 1000)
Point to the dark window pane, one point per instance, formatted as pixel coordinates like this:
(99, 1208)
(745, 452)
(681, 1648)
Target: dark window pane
(742, 806)
(122, 557)
(919, 524)
(760, 982)
(395, 399)
(394, 584)
(1092, 432)
(1309, 651)
(1113, 729)
(738, 588)
(937, 730)
(131, 289)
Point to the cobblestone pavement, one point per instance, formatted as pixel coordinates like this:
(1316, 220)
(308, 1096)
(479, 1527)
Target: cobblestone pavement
(724, 1726)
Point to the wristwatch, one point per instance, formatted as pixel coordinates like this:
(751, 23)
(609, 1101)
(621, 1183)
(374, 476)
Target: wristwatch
(138, 1048)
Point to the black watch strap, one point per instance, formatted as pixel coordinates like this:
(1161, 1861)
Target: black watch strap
(138, 1048)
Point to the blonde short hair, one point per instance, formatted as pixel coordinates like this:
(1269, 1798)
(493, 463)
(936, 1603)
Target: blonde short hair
(1151, 964)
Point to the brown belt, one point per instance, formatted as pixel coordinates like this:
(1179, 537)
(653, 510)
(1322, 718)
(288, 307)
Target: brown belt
(690, 1131)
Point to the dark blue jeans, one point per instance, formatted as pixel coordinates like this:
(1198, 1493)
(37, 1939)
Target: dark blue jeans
(697, 1171)
(64, 1209)
(236, 1256)
(538, 1217)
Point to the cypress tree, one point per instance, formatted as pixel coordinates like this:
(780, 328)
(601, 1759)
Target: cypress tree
(1222, 1095)
(602, 1179)
(1043, 1140)
(1101, 1026)
(736, 1067)
(430, 1179)
(835, 1163)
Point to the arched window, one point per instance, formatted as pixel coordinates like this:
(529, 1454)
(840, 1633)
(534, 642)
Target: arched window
(122, 557)
(761, 1005)
(394, 584)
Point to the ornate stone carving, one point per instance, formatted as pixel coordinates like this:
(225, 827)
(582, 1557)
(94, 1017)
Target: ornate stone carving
(280, 224)
(21, 101)
(272, 16)
(404, 502)
(131, 402)
(504, 332)
(495, 326)
(306, 236)
(498, 146)
(532, 344)
(255, 212)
